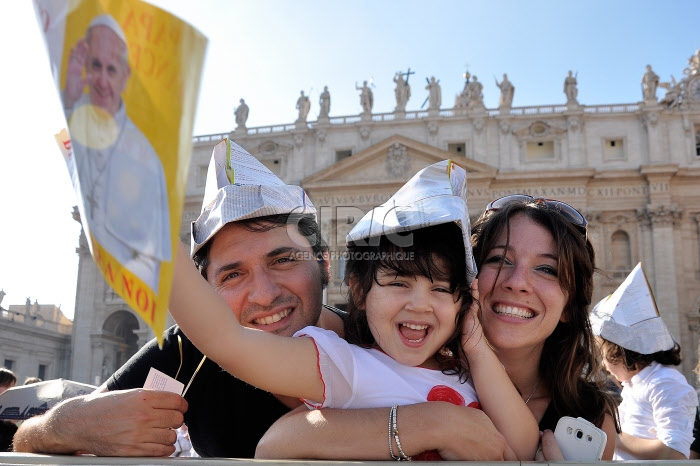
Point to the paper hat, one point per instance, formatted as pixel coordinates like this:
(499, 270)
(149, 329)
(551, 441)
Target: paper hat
(110, 22)
(629, 317)
(239, 187)
(435, 195)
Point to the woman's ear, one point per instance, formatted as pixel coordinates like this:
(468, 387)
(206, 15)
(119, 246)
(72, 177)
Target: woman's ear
(564, 317)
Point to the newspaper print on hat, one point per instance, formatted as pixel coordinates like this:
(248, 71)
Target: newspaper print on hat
(435, 195)
(629, 317)
(239, 187)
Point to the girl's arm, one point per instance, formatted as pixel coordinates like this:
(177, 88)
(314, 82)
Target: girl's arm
(611, 431)
(647, 449)
(457, 432)
(497, 395)
(281, 365)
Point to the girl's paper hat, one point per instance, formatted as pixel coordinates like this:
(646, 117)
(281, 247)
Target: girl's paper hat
(629, 317)
(239, 187)
(435, 195)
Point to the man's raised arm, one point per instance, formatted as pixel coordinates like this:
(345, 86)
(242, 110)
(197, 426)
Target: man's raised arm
(456, 432)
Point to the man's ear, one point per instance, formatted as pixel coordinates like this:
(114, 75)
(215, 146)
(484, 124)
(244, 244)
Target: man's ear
(324, 262)
(355, 291)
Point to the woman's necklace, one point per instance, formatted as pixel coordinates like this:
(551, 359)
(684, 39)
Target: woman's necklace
(533, 391)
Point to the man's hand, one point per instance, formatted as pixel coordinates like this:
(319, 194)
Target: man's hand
(75, 82)
(134, 422)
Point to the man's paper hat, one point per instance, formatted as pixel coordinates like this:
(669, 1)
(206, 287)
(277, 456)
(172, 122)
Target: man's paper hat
(629, 317)
(239, 187)
(435, 195)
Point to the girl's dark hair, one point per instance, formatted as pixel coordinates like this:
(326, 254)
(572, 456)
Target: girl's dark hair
(571, 364)
(420, 258)
(633, 361)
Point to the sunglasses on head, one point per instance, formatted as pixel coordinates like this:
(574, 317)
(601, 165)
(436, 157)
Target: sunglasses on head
(568, 212)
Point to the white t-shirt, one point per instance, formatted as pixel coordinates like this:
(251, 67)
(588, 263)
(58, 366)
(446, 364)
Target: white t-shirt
(356, 377)
(658, 403)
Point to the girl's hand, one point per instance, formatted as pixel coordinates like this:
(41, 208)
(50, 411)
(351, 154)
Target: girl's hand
(472, 332)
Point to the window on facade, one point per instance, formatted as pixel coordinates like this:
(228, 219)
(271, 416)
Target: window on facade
(342, 154)
(614, 149)
(457, 148)
(697, 141)
(42, 371)
(540, 150)
(8, 364)
(275, 166)
(621, 255)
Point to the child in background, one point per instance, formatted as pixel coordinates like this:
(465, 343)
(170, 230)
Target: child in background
(411, 320)
(658, 405)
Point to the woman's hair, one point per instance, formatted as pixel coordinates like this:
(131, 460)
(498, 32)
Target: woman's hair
(570, 364)
(633, 361)
(436, 253)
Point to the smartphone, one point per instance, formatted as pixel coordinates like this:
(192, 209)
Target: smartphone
(579, 439)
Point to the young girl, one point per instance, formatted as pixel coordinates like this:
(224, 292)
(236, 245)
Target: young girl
(658, 404)
(411, 318)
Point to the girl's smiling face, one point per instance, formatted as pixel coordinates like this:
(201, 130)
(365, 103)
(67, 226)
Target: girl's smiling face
(411, 317)
(523, 303)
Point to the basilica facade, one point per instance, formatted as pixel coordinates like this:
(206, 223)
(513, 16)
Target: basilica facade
(633, 169)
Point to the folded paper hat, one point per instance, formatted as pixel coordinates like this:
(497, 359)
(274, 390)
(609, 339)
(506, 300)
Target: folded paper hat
(239, 187)
(435, 195)
(629, 317)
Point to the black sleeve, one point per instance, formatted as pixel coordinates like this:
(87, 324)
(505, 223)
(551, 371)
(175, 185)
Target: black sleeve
(167, 360)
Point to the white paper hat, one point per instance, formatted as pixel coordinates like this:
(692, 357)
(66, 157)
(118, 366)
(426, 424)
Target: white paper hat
(629, 317)
(239, 187)
(435, 195)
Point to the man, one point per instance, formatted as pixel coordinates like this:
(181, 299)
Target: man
(123, 188)
(241, 113)
(303, 105)
(273, 283)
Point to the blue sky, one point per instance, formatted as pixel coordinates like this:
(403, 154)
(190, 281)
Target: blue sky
(266, 51)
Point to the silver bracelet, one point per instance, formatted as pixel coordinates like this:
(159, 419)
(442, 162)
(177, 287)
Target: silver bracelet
(391, 449)
(394, 432)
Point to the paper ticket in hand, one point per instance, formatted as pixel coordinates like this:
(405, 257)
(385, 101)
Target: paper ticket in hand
(157, 380)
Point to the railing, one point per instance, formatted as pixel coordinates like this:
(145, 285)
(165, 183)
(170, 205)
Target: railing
(34, 321)
(28, 458)
(421, 114)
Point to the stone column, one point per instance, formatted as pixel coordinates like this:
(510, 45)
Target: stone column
(88, 298)
(650, 121)
(661, 219)
(574, 124)
(505, 138)
(479, 123)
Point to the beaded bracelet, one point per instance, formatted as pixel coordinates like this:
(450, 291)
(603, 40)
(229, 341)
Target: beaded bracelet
(394, 433)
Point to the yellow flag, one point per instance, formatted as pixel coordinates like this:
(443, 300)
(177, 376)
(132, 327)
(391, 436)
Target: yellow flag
(128, 75)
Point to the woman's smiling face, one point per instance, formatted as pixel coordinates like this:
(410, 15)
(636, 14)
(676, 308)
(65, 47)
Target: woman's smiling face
(522, 304)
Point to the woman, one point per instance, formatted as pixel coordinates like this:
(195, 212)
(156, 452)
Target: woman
(535, 286)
